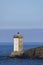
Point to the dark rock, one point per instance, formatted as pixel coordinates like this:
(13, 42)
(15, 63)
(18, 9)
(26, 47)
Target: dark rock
(30, 53)
(34, 53)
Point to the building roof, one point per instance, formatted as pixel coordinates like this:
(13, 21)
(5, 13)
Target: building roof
(18, 35)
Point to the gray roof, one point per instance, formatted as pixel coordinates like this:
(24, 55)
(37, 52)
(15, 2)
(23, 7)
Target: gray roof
(18, 35)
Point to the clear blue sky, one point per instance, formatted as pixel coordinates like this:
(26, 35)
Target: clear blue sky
(30, 35)
(21, 14)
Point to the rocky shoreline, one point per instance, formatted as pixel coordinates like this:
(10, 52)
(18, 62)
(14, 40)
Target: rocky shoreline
(30, 53)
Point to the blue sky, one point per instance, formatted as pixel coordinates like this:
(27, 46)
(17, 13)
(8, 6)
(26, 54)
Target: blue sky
(29, 35)
(21, 14)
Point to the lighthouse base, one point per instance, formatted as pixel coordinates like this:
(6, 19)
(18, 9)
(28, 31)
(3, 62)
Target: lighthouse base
(16, 53)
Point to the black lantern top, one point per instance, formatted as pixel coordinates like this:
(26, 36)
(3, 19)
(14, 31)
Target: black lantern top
(18, 35)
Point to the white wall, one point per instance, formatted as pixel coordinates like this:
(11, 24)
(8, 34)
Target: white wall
(16, 41)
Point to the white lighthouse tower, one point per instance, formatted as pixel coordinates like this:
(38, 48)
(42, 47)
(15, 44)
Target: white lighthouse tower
(18, 43)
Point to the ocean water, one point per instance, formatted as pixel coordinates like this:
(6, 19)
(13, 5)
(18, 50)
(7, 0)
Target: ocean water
(5, 50)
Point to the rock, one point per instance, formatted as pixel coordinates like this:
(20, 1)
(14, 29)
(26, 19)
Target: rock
(34, 53)
(15, 54)
(30, 53)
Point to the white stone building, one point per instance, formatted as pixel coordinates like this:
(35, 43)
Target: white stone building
(18, 43)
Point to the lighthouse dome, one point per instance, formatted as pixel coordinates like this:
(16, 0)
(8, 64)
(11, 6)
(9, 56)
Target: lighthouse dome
(18, 35)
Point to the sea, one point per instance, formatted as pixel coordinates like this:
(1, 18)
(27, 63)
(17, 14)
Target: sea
(7, 48)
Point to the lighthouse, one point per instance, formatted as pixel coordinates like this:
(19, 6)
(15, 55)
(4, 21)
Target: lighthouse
(18, 43)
